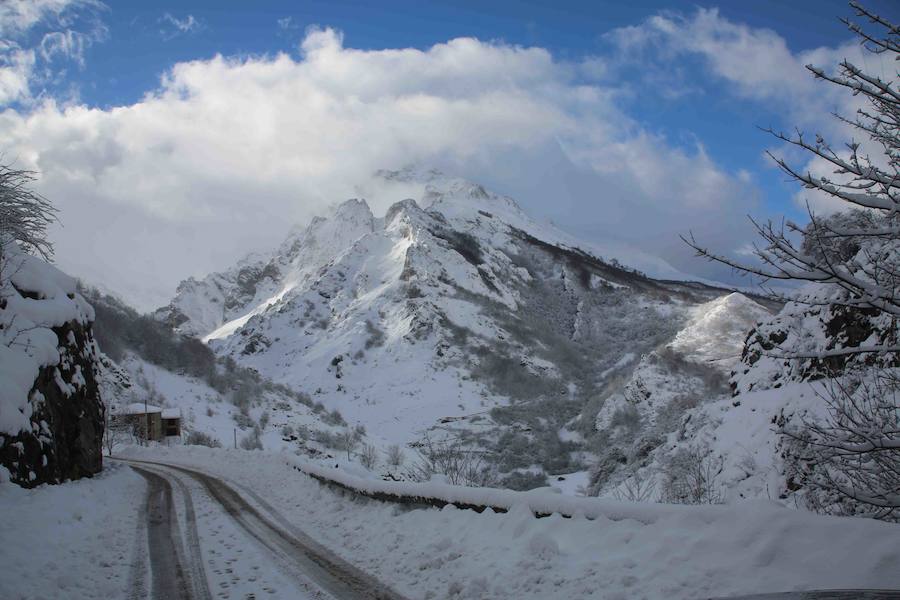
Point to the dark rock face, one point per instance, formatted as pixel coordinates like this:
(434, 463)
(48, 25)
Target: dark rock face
(65, 441)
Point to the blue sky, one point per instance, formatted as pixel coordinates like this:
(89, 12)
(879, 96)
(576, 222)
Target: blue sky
(621, 85)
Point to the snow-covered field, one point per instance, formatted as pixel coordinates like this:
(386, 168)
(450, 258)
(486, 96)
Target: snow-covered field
(74, 540)
(744, 547)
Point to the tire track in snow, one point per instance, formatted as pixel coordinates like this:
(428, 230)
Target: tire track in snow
(137, 574)
(170, 578)
(298, 554)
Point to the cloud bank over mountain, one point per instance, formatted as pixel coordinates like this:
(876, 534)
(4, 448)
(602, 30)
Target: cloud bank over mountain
(228, 152)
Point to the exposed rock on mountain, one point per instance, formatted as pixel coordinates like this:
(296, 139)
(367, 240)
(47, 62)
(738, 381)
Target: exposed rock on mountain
(51, 413)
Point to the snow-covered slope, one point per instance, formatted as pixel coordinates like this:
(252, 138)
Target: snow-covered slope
(445, 308)
(657, 408)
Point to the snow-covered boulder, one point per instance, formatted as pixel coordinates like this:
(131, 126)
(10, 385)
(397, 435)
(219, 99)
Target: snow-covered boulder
(51, 413)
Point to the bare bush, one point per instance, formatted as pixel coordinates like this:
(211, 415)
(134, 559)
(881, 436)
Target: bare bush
(347, 441)
(252, 440)
(637, 488)
(460, 465)
(691, 477)
(849, 461)
(395, 455)
(368, 456)
(199, 438)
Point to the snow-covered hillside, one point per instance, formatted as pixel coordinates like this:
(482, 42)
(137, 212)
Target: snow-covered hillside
(734, 433)
(658, 407)
(218, 401)
(453, 311)
(283, 420)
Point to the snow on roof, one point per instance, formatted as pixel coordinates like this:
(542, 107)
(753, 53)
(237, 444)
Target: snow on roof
(171, 413)
(139, 408)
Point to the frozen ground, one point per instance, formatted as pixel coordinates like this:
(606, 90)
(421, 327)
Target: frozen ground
(742, 548)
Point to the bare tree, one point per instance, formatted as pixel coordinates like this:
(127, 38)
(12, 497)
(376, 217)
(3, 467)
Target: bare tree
(252, 441)
(115, 431)
(849, 461)
(24, 217)
(861, 256)
(24, 214)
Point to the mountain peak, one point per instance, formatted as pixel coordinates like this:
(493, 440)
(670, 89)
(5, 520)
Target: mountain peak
(406, 206)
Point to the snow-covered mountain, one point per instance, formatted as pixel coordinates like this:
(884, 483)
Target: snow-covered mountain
(452, 310)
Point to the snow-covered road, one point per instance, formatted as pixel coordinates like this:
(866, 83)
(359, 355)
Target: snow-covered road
(265, 530)
(249, 547)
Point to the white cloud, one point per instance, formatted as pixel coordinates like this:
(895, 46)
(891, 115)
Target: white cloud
(16, 66)
(756, 64)
(67, 44)
(172, 27)
(19, 16)
(66, 28)
(287, 23)
(227, 153)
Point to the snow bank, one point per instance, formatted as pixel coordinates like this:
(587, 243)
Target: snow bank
(541, 501)
(74, 540)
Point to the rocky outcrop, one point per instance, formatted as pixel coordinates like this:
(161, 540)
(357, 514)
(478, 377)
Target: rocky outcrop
(66, 434)
(51, 412)
(813, 340)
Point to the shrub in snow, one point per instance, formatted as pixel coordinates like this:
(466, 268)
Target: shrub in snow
(252, 440)
(334, 418)
(638, 487)
(243, 420)
(199, 438)
(691, 476)
(368, 456)
(376, 336)
(395, 455)
(456, 462)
